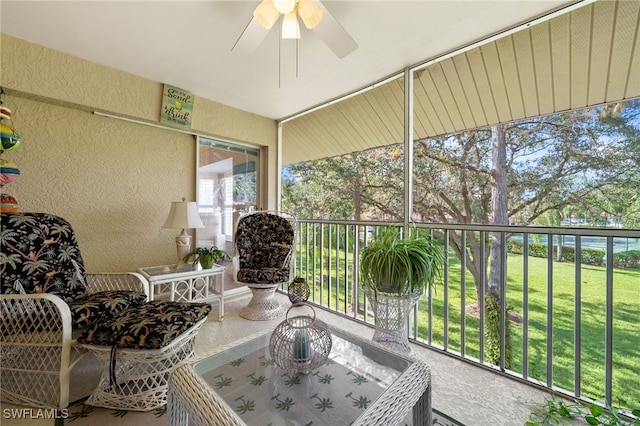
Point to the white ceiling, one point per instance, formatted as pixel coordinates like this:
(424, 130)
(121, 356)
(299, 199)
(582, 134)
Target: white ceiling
(188, 43)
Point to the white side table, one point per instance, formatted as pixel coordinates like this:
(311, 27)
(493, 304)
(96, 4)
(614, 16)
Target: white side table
(186, 284)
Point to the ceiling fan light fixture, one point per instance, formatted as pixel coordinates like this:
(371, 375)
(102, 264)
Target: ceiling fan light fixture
(310, 13)
(284, 6)
(266, 14)
(290, 26)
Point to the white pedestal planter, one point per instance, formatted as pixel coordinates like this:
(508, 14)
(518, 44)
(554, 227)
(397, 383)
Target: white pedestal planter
(391, 318)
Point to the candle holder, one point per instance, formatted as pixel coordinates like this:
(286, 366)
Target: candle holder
(298, 290)
(300, 344)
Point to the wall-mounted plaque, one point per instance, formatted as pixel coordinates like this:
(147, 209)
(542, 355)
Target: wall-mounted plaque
(177, 107)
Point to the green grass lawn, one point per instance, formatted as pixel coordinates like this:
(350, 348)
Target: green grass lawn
(626, 330)
(626, 325)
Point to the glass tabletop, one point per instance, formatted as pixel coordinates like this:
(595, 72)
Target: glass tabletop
(337, 393)
(157, 271)
(169, 269)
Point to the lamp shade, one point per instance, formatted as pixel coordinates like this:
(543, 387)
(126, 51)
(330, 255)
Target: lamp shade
(182, 215)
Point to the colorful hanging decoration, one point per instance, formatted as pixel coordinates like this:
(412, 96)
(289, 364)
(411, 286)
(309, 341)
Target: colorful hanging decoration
(5, 113)
(8, 137)
(9, 172)
(8, 204)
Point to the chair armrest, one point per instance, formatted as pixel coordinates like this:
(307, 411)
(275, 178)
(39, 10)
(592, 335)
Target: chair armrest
(129, 281)
(37, 351)
(38, 319)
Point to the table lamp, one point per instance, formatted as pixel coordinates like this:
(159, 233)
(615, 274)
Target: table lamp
(183, 215)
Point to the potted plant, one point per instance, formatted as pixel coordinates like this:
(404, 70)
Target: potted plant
(400, 265)
(395, 270)
(206, 256)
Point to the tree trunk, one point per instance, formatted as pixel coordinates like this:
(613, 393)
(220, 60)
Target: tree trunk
(499, 215)
(497, 265)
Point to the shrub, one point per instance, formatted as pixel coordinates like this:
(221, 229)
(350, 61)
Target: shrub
(627, 259)
(592, 256)
(589, 256)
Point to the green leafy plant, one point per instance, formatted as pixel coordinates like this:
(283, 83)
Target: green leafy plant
(401, 265)
(554, 411)
(206, 256)
(610, 416)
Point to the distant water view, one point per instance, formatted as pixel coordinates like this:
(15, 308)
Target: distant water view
(619, 244)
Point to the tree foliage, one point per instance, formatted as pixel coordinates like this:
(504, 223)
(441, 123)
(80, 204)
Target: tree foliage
(584, 162)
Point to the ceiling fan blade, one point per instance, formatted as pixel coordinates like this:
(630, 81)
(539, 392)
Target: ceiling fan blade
(252, 36)
(334, 35)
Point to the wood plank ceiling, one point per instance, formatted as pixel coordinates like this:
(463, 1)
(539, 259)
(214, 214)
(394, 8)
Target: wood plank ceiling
(586, 57)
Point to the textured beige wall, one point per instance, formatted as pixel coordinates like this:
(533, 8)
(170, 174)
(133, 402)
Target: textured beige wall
(113, 180)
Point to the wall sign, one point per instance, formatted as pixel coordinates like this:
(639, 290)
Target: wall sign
(177, 107)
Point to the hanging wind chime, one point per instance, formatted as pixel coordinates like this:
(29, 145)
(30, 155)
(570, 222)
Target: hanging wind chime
(9, 171)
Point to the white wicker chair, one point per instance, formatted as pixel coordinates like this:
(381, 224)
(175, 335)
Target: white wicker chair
(37, 347)
(264, 260)
(36, 362)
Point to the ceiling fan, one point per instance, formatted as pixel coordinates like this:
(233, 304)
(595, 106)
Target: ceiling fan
(313, 14)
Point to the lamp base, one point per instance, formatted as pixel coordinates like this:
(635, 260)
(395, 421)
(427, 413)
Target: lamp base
(183, 247)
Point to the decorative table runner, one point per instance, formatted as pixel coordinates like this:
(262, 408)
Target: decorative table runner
(337, 393)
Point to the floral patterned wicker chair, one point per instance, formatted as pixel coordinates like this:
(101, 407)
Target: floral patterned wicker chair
(264, 249)
(46, 297)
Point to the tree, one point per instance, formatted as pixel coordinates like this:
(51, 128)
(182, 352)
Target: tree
(517, 173)
(360, 185)
(550, 162)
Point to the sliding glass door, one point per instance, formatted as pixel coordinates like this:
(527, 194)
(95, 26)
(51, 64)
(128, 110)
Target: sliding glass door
(227, 187)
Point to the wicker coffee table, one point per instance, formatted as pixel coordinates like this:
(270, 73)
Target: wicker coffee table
(361, 384)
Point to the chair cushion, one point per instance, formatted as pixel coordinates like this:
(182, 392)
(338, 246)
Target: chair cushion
(153, 325)
(272, 255)
(40, 255)
(102, 305)
(263, 275)
(264, 240)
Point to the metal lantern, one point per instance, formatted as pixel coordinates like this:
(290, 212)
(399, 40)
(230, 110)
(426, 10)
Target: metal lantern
(300, 344)
(299, 290)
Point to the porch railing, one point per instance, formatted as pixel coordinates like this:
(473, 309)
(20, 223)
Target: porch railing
(573, 308)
